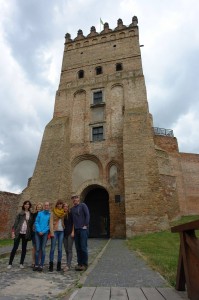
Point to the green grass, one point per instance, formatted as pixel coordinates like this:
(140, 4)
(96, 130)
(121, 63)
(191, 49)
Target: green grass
(161, 249)
(6, 242)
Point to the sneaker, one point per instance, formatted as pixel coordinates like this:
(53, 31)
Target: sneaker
(9, 266)
(21, 266)
(66, 268)
(83, 268)
(36, 268)
(40, 268)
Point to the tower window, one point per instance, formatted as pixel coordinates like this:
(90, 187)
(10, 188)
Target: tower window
(97, 133)
(81, 74)
(119, 67)
(97, 97)
(98, 70)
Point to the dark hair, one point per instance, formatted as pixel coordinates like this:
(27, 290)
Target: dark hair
(25, 202)
(59, 202)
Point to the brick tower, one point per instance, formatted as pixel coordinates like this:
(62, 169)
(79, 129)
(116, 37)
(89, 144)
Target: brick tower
(99, 143)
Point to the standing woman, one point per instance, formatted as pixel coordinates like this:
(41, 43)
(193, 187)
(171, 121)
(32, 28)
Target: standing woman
(68, 236)
(38, 207)
(41, 236)
(22, 230)
(56, 233)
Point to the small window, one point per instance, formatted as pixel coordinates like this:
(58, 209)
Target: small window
(97, 97)
(119, 67)
(97, 133)
(98, 70)
(81, 74)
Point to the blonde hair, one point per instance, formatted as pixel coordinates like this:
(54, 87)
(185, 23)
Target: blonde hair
(39, 203)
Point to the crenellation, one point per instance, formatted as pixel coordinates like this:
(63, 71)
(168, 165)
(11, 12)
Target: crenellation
(106, 31)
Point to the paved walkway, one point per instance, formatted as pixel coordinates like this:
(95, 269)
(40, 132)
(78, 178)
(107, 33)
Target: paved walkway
(114, 273)
(120, 274)
(24, 284)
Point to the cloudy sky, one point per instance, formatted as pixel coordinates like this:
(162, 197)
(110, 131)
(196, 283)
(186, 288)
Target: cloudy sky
(31, 47)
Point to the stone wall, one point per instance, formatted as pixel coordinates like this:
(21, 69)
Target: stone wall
(9, 205)
(190, 171)
(179, 176)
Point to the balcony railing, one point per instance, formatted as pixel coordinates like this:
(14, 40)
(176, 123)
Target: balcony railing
(163, 131)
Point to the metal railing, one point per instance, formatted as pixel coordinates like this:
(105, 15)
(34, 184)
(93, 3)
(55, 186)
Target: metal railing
(163, 131)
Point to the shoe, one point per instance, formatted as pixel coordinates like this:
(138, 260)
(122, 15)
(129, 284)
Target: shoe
(66, 268)
(40, 269)
(50, 269)
(9, 266)
(35, 268)
(80, 268)
(83, 268)
(77, 267)
(21, 266)
(58, 266)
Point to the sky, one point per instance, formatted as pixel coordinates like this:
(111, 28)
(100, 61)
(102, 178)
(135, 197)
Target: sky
(31, 50)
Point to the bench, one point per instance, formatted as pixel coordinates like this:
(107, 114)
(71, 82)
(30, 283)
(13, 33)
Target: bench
(188, 261)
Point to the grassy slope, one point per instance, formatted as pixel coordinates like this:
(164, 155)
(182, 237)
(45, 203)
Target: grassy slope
(161, 249)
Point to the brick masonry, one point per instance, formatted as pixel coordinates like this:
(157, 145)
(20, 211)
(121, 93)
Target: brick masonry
(9, 204)
(154, 181)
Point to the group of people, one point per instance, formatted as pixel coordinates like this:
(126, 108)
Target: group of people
(61, 225)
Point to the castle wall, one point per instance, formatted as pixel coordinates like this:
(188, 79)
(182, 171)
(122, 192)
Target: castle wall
(9, 205)
(190, 171)
(51, 176)
(181, 169)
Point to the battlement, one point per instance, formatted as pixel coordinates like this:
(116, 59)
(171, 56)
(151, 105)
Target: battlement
(106, 30)
(102, 54)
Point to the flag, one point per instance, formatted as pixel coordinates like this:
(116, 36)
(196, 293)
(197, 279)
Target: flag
(101, 22)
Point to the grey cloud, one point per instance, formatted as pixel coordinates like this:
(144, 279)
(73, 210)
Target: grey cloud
(30, 30)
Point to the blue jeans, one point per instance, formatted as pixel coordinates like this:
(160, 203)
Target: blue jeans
(81, 238)
(41, 241)
(58, 235)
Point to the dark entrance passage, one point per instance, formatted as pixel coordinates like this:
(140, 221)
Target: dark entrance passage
(97, 201)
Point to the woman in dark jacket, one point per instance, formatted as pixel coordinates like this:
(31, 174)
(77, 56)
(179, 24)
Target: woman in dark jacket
(22, 230)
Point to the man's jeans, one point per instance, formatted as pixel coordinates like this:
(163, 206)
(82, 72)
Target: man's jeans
(58, 235)
(81, 238)
(41, 241)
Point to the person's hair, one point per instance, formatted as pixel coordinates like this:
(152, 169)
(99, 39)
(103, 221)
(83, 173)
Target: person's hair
(66, 215)
(59, 202)
(65, 203)
(39, 203)
(25, 202)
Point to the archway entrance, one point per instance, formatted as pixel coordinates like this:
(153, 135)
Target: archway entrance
(97, 200)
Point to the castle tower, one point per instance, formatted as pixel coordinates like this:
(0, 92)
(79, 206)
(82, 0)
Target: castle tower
(99, 143)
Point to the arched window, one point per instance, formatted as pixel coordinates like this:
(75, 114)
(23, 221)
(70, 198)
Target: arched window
(119, 67)
(81, 74)
(98, 70)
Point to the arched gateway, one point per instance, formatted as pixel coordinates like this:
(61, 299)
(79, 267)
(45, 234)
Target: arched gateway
(97, 200)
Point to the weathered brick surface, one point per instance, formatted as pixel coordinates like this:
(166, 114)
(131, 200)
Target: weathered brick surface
(190, 170)
(9, 205)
